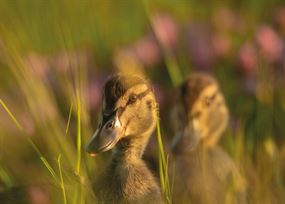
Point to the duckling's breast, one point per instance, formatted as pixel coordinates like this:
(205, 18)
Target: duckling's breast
(198, 178)
(128, 183)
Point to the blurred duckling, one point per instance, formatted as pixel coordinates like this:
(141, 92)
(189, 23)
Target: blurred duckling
(204, 173)
(128, 118)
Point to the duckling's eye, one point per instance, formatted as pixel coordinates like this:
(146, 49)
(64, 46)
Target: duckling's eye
(132, 99)
(209, 100)
(196, 114)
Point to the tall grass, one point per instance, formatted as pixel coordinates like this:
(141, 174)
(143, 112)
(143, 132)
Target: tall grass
(59, 143)
(62, 185)
(6, 178)
(42, 158)
(163, 167)
(167, 53)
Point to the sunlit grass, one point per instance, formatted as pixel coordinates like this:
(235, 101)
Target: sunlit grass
(68, 121)
(11, 115)
(6, 178)
(163, 168)
(78, 164)
(60, 145)
(61, 180)
(42, 158)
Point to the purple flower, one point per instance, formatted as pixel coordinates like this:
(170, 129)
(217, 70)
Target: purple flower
(95, 88)
(199, 45)
(159, 94)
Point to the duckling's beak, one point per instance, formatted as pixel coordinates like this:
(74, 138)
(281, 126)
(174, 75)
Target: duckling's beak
(106, 136)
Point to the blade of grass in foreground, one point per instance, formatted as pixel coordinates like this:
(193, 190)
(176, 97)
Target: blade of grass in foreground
(163, 168)
(6, 178)
(78, 135)
(79, 192)
(11, 115)
(69, 116)
(61, 180)
(42, 158)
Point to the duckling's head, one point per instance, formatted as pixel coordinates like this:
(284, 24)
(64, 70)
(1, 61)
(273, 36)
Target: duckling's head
(202, 112)
(129, 110)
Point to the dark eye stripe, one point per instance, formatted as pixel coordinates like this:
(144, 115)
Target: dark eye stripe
(209, 100)
(214, 96)
(107, 115)
(143, 94)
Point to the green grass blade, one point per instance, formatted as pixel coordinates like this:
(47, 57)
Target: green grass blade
(69, 116)
(45, 162)
(78, 164)
(11, 115)
(48, 166)
(163, 168)
(6, 178)
(61, 180)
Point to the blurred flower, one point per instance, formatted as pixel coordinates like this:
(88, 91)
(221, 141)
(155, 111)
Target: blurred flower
(147, 51)
(67, 59)
(280, 17)
(224, 18)
(38, 195)
(159, 94)
(38, 64)
(27, 124)
(270, 43)
(247, 58)
(94, 90)
(165, 30)
(200, 49)
(221, 45)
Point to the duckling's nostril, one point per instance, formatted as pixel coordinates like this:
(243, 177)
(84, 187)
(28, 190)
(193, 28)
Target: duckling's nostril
(110, 125)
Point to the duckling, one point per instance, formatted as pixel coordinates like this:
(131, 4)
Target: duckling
(204, 171)
(128, 118)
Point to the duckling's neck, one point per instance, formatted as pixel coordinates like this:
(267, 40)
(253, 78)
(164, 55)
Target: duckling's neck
(130, 148)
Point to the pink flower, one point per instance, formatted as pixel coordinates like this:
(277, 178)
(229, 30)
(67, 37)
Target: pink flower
(38, 64)
(200, 46)
(165, 30)
(67, 59)
(38, 195)
(270, 43)
(221, 45)
(147, 51)
(94, 91)
(280, 17)
(248, 59)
